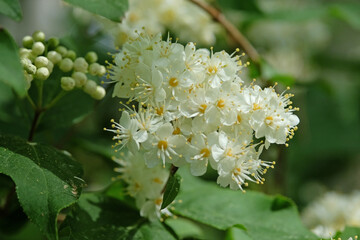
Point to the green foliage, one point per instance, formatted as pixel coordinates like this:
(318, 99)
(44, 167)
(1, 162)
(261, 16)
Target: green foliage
(97, 216)
(11, 8)
(260, 216)
(248, 6)
(46, 179)
(111, 9)
(172, 189)
(348, 232)
(10, 67)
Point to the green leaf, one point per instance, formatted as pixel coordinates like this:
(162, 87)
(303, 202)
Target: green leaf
(269, 73)
(10, 66)
(97, 216)
(236, 233)
(11, 8)
(185, 228)
(70, 109)
(172, 189)
(47, 180)
(348, 232)
(111, 9)
(348, 13)
(261, 216)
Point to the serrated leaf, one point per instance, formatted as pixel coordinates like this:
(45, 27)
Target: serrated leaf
(10, 66)
(97, 216)
(111, 9)
(46, 179)
(172, 189)
(11, 8)
(252, 211)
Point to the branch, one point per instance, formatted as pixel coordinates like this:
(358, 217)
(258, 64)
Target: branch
(234, 33)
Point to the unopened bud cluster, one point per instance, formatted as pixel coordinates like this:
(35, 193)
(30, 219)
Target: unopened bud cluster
(39, 57)
(193, 109)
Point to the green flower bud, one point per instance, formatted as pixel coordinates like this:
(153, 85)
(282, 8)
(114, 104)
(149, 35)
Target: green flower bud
(102, 71)
(90, 87)
(80, 65)
(28, 66)
(28, 79)
(39, 36)
(24, 52)
(94, 69)
(53, 43)
(70, 54)
(50, 66)
(99, 93)
(38, 48)
(27, 42)
(41, 61)
(42, 73)
(54, 57)
(62, 50)
(91, 57)
(67, 83)
(80, 78)
(66, 65)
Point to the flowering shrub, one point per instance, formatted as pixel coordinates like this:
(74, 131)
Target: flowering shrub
(189, 116)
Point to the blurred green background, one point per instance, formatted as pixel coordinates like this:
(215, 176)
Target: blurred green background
(311, 45)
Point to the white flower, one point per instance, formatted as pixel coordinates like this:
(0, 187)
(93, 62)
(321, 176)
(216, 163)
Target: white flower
(144, 184)
(128, 132)
(199, 153)
(163, 146)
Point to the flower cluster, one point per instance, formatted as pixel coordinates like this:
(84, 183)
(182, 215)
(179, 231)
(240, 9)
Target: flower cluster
(332, 213)
(193, 109)
(159, 15)
(39, 56)
(144, 184)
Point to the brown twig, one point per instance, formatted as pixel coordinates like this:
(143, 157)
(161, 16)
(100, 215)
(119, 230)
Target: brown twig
(233, 32)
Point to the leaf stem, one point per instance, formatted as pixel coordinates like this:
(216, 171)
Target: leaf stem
(31, 101)
(34, 123)
(56, 99)
(233, 32)
(40, 92)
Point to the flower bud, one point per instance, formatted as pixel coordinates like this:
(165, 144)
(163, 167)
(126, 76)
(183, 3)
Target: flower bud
(27, 42)
(80, 78)
(50, 66)
(53, 43)
(91, 57)
(94, 69)
(39, 36)
(80, 65)
(66, 65)
(54, 57)
(102, 70)
(38, 48)
(90, 87)
(28, 79)
(24, 52)
(41, 61)
(70, 54)
(28, 66)
(42, 73)
(99, 93)
(67, 83)
(62, 50)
